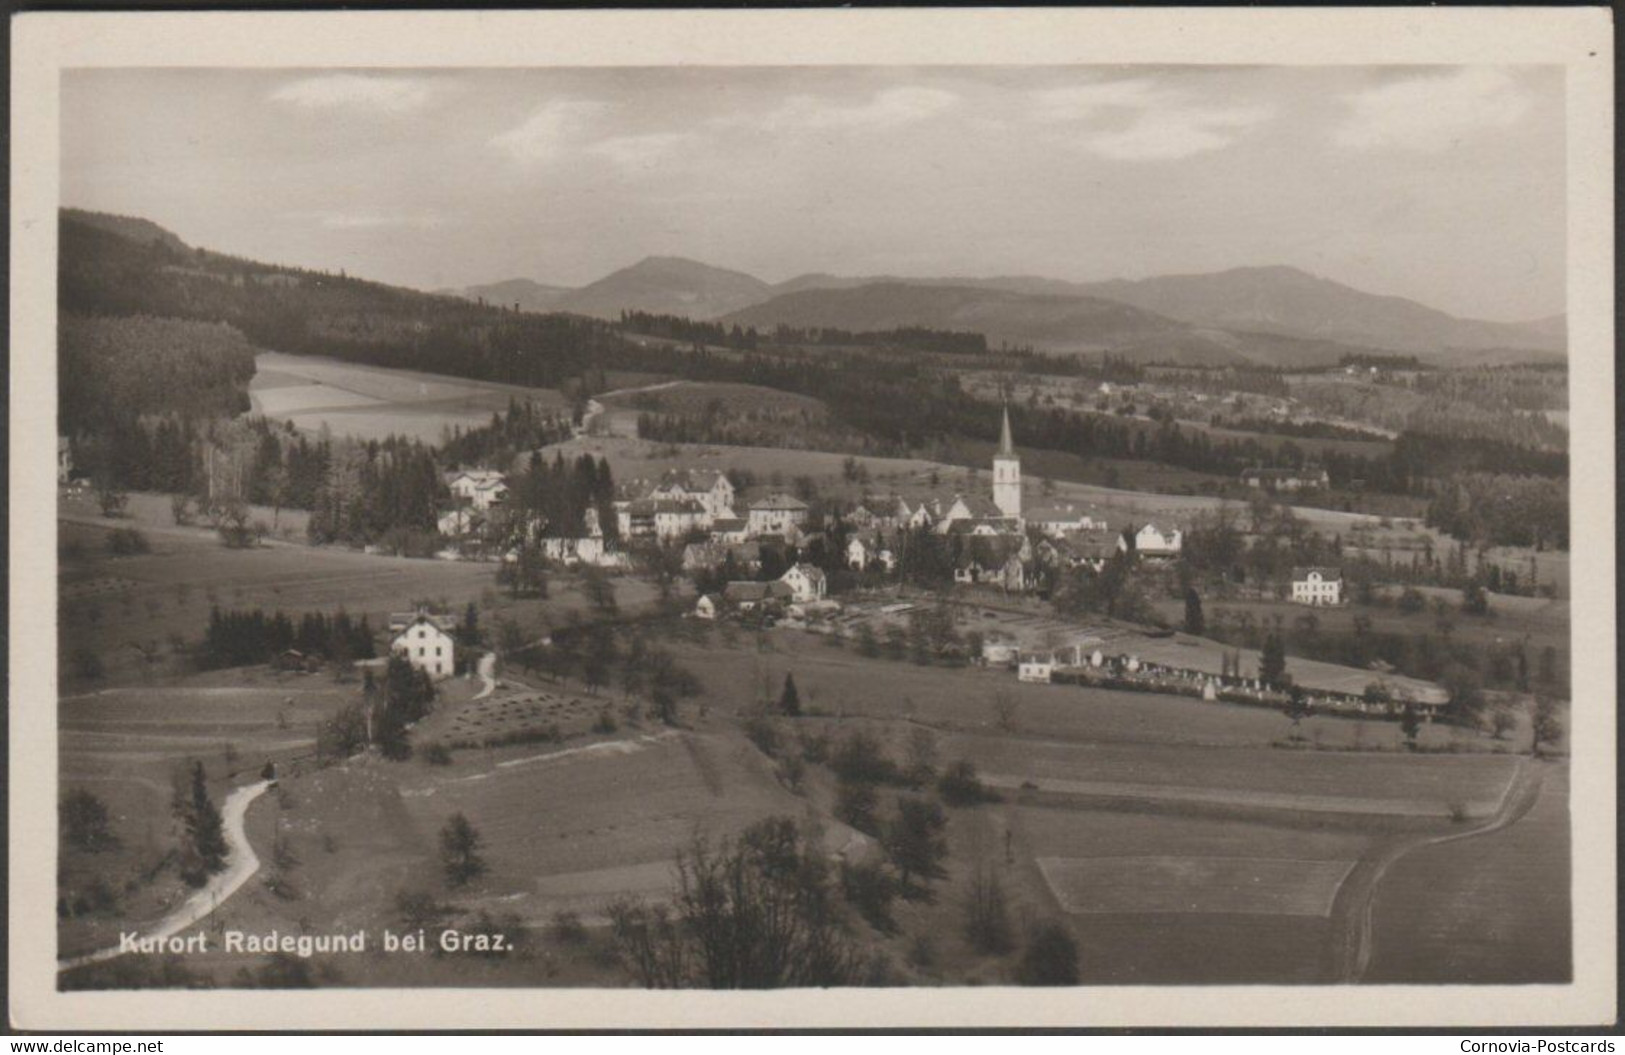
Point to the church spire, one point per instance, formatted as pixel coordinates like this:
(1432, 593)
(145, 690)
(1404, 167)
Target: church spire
(1006, 448)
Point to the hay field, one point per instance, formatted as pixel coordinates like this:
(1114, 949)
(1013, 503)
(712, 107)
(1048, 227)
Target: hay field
(1203, 885)
(369, 403)
(1493, 909)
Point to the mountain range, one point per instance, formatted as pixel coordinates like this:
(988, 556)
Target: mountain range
(1275, 315)
(1278, 316)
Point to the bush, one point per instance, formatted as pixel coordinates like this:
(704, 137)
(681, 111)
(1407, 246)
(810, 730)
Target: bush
(567, 928)
(764, 733)
(127, 542)
(84, 822)
(605, 723)
(859, 759)
(987, 915)
(960, 786)
(1051, 958)
(858, 804)
(870, 889)
(436, 754)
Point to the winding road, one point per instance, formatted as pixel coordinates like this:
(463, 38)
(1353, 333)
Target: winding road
(241, 864)
(1353, 910)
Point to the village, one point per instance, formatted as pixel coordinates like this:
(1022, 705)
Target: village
(770, 561)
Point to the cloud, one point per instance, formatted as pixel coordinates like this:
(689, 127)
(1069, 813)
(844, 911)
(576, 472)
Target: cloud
(639, 151)
(1140, 120)
(1431, 112)
(391, 95)
(551, 130)
(887, 109)
(1165, 135)
(346, 221)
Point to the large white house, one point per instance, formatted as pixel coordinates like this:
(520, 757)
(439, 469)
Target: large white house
(806, 582)
(1317, 586)
(480, 488)
(711, 489)
(777, 514)
(1153, 542)
(426, 642)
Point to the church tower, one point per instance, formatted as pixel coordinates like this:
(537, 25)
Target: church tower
(1007, 474)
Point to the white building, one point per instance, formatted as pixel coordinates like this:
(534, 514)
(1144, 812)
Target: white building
(711, 489)
(480, 488)
(1153, 542)
(777, 514)
(1036, 667)
(1317, 586)
(1007, 474)
(1058, 520)
(426, 642)
(457, 522)
(806, 582)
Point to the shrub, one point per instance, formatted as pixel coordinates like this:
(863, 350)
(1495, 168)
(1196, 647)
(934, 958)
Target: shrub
(127, 542)
(436, 753)
(605, 723)
(1051, 958)
(568, 928)
(870, 889)
(987, 915)
(960, 786)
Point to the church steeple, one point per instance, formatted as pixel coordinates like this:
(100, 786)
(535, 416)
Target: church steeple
(1007, 473)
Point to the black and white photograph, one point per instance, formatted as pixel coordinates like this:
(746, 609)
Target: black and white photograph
(918, 525)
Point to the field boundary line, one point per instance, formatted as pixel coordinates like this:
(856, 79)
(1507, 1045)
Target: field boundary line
(1356, 936)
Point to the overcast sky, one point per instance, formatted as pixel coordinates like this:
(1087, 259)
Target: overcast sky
(1441, 184)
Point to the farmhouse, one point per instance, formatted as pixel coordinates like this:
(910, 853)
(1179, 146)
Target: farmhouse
(1153, 542)
(1305, 479)
(458, 522)
(707, 606)
(1317, 586)
(730, 529)
(711, 489)
(806, 582)
(425, 640)
(662, 519)
(480, 488)
(747, 595)
(777, 514)
(1056, 520)
(994, 561)
(1036, 667)
(866, 550)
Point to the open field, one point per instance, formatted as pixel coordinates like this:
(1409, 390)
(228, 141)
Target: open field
(370, 403)
(1493, 909)
(1207, 901)
(116, 606)
(1202, 885)
(124, 745)
(1289, 781)
(841, 683)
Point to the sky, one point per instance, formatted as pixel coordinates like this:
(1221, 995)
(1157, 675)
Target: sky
(1442, 184)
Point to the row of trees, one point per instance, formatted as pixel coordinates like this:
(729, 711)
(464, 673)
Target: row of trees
(235, 638)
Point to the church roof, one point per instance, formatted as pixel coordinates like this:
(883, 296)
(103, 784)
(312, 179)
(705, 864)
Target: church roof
(1007, 449)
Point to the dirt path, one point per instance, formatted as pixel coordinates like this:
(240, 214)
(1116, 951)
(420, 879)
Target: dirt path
(1353, 908)
(241, 864)
(487, 669)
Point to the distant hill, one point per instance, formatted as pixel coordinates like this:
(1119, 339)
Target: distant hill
(1073, 324)
(1285, 300)
(134, 228)
(528, 295)
(666, 285)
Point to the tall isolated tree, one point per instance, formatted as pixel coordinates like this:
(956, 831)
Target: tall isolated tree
(790, 699)
(204, 851)
(1195, 623)
(1272, 661)
(459, 851)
